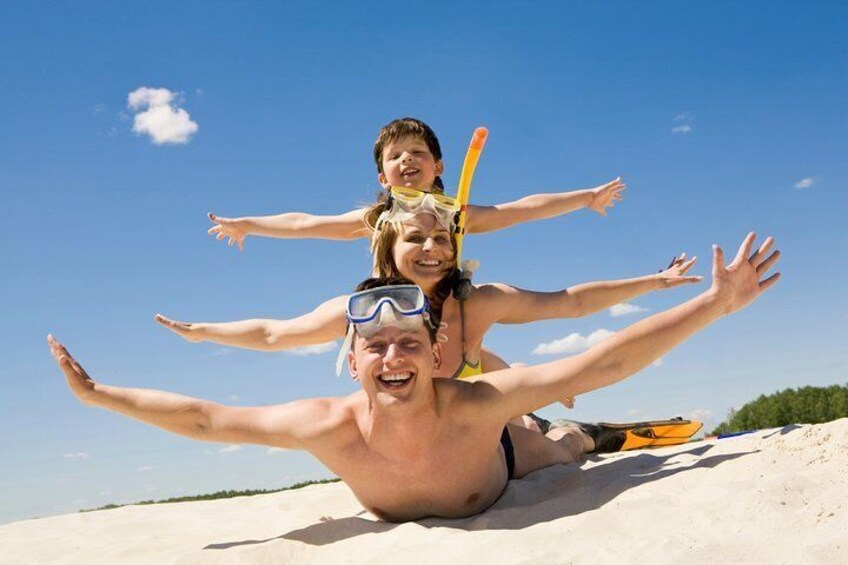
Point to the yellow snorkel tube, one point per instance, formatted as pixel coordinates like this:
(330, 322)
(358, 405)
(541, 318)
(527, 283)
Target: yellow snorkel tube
(478, 140)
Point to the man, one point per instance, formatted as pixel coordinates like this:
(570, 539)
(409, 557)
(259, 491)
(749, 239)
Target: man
(410, 445)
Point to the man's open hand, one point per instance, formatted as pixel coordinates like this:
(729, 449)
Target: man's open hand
(78, 380)
(742, 282)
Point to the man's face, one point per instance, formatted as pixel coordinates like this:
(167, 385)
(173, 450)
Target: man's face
(408, 162)
(394, 363)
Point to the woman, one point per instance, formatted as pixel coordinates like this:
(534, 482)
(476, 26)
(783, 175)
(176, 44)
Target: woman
(422, 249)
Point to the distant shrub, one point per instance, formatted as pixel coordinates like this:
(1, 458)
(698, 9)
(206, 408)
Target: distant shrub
(805, 405)
(216, 495)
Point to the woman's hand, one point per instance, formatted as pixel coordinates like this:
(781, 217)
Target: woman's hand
(675, 274)
(186, 330)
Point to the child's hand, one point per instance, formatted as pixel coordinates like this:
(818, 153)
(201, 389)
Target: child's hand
(186, 330)
(228, 227)
(674, 274)
(606, 195)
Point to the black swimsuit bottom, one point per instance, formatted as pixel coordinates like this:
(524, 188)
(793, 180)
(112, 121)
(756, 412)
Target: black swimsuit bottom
(509, 452)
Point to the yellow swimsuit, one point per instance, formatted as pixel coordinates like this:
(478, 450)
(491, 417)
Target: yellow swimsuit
(467, 370)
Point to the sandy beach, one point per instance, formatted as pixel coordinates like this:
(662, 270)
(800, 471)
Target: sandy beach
(774, 496)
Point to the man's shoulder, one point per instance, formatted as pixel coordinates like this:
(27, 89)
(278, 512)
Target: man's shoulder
(320, 419)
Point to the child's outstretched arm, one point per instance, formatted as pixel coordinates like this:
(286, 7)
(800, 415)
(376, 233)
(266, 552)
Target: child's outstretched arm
(324, 324)
(542, 206)
(291, 225)
(510, 305)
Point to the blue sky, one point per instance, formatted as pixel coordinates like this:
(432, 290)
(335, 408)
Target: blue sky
(721, 117)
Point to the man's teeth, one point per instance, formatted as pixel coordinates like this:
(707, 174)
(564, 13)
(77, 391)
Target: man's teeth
(429, 263)
(395, 377)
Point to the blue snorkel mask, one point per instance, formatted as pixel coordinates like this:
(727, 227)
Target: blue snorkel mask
(368, 311)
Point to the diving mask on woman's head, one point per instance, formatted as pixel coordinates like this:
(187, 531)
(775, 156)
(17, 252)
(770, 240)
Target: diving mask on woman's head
(369, 311)
(405, 203)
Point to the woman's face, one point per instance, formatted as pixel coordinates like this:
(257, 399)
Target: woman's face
(423, 251)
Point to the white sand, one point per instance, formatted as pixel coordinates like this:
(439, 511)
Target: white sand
(776, 496)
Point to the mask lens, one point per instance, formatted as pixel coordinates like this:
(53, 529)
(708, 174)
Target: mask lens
(406, 300)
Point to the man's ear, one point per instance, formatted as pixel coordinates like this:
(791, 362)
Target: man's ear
(384, 182)
(440, 168)
(437, 356)
(351, 364)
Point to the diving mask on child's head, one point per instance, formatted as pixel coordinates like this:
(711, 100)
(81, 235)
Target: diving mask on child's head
(369, 311)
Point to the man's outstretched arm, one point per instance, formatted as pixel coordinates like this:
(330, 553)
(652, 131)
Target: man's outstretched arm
(285, 425)
(734, 287)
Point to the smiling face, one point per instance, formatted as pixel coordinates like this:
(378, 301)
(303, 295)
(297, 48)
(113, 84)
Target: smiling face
(423, 251)
(408, 162)
(394, 363)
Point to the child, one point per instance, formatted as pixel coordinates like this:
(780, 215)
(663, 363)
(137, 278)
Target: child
(408, 154)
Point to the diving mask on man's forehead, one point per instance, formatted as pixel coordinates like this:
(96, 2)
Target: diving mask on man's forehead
(405, 203)
(369, 311)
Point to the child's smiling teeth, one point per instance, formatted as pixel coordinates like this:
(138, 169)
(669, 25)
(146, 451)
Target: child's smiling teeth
(428, 263)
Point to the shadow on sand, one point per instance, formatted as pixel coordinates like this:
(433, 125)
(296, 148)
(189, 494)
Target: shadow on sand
(555, 492)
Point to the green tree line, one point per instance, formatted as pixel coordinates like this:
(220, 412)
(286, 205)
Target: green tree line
(805, 405)
(216, 495)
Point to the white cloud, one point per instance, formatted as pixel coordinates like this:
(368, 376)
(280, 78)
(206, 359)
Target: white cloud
(146, 97)
(149, 488)
(805, 183)
(312, 349)
(98, 109)
(683, 123)
(573, 343)
(229, 449)
(625, 309)
(234, 398)
(78, 455)
(633, 412)
(161, 118)
(145, 468)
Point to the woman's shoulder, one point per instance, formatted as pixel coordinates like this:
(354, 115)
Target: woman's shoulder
(484, 292)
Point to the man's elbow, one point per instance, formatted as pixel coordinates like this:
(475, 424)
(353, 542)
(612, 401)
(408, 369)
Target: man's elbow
(199, 423)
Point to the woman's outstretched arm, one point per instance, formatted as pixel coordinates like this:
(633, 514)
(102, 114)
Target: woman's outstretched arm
(324, 324)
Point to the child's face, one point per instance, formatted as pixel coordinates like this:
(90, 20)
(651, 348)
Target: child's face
(409, 163)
